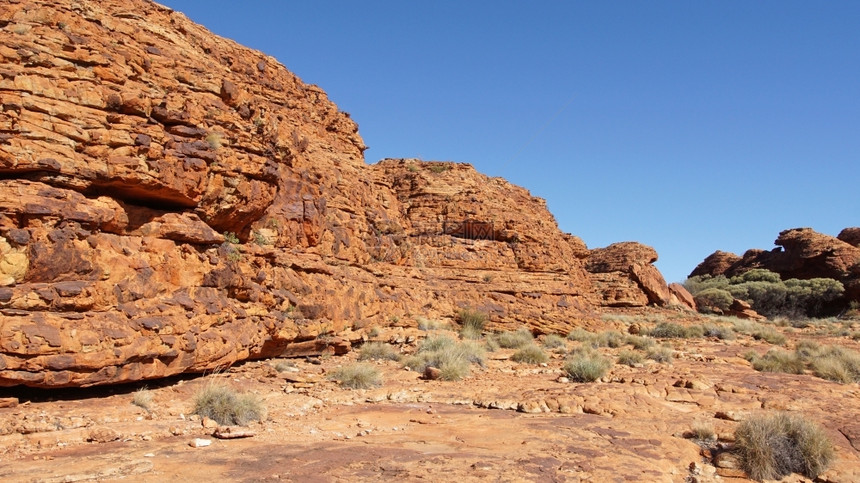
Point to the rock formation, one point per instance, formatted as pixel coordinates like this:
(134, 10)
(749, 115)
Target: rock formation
(801, 253)
(625, 277)
(172, 202)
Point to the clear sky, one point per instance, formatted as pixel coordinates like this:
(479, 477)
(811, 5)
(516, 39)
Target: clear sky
(689, 126)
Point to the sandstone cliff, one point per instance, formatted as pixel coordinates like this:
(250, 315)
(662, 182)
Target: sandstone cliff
(172, 202)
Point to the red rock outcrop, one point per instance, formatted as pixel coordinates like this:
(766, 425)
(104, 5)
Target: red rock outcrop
(680, 296)
(717, 263)
(850, 236)
(174, 202)
(625, 276)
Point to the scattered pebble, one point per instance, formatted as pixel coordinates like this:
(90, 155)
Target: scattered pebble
(199, 442)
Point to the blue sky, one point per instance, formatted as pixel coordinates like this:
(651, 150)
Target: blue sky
(687, 126)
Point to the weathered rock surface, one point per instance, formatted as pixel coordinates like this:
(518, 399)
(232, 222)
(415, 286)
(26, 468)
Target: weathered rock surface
(174, 202)
(801, 253)
(625, 276)
(717, 263)
(523, 421)
(681, 296)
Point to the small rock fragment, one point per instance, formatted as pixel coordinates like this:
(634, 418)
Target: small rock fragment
(103, 435)
(199, 442)
(233, 432)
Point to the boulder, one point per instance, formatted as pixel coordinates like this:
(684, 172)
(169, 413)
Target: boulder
(624, 274)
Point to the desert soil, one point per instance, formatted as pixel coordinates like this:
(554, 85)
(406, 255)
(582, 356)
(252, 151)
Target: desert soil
(507, 421)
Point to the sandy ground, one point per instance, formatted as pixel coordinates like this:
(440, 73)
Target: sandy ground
(507, 421)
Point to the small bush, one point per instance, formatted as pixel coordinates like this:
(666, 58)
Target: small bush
(587, 367)
(669, 330)
(357, 376)
(438, 168)
(142, 398)
(722, 333)
(227, 407)
(769, 335)
(630, 358)
(640, 343)
(580, 335)
(553, 341)
(514, 340)
(435, 343)
(714, 300)
(454, 370)
(472, 323)
(660, 354)
(530, 354)
(779, 361)
(471, 352)
(774, 446)
(702, 432)
(609, 338)
(451, 358)
(378, 351)
(836, 364)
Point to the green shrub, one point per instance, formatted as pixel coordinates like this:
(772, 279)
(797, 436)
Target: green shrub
(226, 407)
(357, 376)
(767, 293)
(774, 446)
(514, 340)
(630, 358)
(714, 300)
(378, 351)
(669, 330)
(586, 367)
(756, 275)
(530, 354)
(553, 341)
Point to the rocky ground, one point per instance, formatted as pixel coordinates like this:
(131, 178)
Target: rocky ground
(507, 421)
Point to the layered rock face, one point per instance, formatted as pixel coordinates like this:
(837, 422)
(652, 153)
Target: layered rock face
(801, 253)
(625, 276)
(172, 202)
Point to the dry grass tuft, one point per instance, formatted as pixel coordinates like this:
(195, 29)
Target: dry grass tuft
(378, 351)
(357, 376)
(227, 407)
(530, 354)
(774, 446)
(586, 367)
